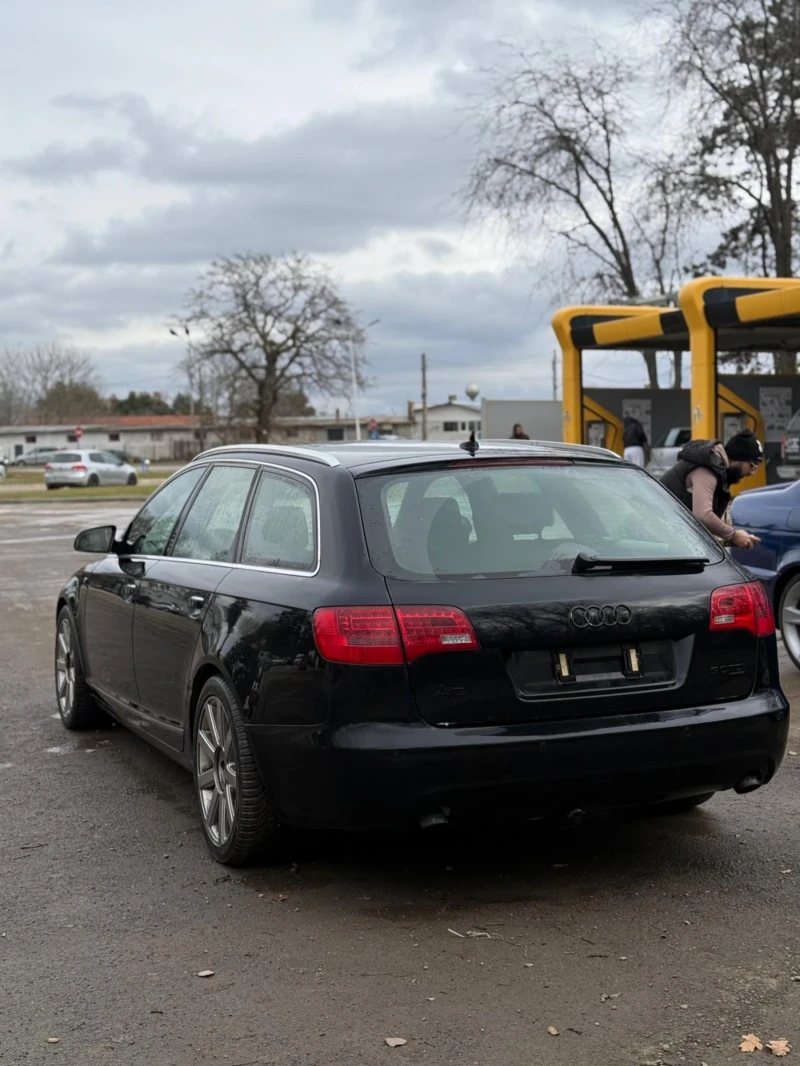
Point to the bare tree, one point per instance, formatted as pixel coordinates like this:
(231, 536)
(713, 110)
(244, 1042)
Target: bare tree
(48, 383)
(739, 63)
(558, 155)
(268, 327)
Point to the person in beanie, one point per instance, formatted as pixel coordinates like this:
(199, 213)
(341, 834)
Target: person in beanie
(702, 478)
(635, 442)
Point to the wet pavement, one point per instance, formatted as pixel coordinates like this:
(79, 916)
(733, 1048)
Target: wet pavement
(640, 940)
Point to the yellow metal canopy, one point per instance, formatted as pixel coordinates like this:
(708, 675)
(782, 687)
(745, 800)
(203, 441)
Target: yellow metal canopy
(713, 315)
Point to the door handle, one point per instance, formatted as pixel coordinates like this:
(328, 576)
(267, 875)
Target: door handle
(197, 602)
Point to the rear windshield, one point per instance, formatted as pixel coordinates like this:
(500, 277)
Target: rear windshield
(67, 457)
(526, 520)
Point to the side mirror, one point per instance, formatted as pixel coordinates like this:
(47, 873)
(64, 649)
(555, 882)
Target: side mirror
(98, 541)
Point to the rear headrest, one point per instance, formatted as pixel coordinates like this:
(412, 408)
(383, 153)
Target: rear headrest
(284, 524)
(449, 532)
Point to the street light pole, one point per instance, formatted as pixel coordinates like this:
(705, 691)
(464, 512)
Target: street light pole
(354, 376)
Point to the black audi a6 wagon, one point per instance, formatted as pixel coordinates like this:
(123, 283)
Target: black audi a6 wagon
(390, 634)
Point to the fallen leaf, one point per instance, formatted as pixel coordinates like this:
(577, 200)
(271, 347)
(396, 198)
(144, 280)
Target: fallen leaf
(57, 1040)
(553, 1031)
(751, 1043)
(206, 973)
(395, 1041)
(779, 1047)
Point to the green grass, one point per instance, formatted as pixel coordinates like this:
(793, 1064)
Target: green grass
(24, 475)
(131, 492)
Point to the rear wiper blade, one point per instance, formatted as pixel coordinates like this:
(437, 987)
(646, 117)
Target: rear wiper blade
(586, 562)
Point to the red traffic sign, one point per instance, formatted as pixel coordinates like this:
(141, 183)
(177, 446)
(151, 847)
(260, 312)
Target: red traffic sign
(78, 433)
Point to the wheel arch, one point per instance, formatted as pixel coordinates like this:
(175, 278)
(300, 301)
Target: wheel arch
(203, 674)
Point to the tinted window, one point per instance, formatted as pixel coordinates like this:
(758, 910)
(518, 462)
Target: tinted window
(530, 520)
(151, 528)
(111, 459)
(97, 457)
(67, 457)
(281, 531)
(210, 528)
(684, 436)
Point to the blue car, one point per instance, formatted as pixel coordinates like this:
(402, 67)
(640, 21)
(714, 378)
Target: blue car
(773, 514)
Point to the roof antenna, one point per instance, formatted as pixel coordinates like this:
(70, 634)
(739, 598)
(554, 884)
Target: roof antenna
(470, 445)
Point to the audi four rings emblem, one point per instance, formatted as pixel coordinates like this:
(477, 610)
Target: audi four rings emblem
(595, 617)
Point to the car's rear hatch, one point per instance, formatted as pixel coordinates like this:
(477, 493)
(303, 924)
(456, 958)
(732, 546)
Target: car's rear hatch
(70, 463)
(557, 639)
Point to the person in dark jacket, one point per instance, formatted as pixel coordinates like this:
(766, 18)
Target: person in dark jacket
(635, 442)
(702, 479)
(518, 433)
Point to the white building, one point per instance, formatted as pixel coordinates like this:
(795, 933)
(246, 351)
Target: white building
(141, 436)
(178, 437)
(448, 421)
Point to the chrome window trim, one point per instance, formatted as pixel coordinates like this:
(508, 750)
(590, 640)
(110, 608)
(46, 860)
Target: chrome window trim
(269, 449)
(256, 463)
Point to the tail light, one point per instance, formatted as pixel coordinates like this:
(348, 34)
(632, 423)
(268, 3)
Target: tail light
(48, 466)
(79, 468)
(386, 636)
(434, 629)
(742, 607)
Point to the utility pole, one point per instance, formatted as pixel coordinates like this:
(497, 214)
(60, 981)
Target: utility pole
(424, 396)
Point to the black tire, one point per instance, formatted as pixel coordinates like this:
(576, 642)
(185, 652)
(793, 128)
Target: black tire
(52, 488)
(93, 481)
(790, 631)
(681, 806)
(256, 831)
(78, 707)
(133, 480)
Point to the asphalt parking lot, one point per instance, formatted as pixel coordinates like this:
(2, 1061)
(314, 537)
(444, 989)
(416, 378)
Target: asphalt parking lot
(639, 940)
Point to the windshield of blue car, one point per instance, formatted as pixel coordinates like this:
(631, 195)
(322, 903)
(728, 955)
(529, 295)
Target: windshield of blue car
(529, 519)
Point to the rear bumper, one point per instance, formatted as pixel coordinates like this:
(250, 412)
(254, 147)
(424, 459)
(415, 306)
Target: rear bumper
(378, 776)
(66, 479)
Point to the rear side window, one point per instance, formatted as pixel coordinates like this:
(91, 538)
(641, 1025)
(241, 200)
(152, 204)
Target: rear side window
(149, 532)
(281, 531)
(210, 529)
(527, 520)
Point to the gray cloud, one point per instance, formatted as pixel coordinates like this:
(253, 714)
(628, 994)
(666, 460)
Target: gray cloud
(326, 186)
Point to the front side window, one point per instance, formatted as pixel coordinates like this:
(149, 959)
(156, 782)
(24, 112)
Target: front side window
(527, 520)
(149, 532)
(281, 530)
(210, 529)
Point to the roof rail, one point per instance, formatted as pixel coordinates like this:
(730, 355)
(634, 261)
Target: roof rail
(299, 452)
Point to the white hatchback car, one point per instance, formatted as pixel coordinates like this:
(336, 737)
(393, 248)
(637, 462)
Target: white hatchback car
(87, 469)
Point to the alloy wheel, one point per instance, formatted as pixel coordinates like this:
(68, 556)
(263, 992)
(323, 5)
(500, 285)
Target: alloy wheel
(216, 771)
(790, 621)
(65, 669)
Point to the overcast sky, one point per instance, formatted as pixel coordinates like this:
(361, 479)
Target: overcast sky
(141, 140)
